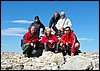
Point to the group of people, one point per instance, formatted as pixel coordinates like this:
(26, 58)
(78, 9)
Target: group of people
(62, 40)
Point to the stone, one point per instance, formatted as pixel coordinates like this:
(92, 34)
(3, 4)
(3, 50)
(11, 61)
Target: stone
(50, 61)
(95, 64)
(77, 63)
(17, 67)
(57, 58)
(46, 55)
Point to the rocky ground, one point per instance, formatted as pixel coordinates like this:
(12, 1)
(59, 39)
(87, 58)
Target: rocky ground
(50, 61)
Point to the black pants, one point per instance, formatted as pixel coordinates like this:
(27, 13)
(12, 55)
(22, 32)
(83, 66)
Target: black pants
(55, 29)
(27, 49)
(68, 50)
(59, 33)
(60, 49)
(47, 48)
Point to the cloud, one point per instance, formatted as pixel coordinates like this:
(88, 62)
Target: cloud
(85, 39)
(22, 31)
(13, 31)
(3, 44)
(22, 21)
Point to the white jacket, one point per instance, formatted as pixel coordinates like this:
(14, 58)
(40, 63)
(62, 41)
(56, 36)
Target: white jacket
(62, 23)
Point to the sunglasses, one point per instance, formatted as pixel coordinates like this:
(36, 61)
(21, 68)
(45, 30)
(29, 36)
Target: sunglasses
(67, 30)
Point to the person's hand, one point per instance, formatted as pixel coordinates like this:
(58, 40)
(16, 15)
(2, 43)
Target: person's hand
(40, 39)
(59, 38)
(66, 43)
(32, 44)
(33, 41)
(51, 41)
(72, 54)
(60, 44)
(41, 29)
(62, 29)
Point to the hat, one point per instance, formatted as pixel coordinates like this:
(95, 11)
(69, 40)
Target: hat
(36, 17)
(62, 13)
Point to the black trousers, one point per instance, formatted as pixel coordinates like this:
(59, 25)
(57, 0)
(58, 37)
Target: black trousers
(60, 33)
(54, 28)
(47, 48)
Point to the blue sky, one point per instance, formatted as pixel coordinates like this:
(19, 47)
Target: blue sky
(16, 17)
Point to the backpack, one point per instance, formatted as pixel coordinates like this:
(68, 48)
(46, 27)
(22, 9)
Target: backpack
(22, 42)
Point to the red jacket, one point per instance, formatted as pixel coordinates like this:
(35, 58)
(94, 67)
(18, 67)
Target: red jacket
(29, 39)
(46, 40)
(70, 39)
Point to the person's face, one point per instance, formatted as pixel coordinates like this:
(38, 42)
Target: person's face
(48, 31)
(32, 29)
(36, 20)
(62, 16)
(67, 30)
(56, 14)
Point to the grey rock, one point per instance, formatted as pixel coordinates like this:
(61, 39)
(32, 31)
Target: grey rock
(57, 58)
(49, 61)
(77, 63)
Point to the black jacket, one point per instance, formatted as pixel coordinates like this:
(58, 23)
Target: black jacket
(54, 21)
(37, 25)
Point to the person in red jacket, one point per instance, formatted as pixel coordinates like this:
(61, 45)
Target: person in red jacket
(69, 41)
(49, 41)
(30, 41)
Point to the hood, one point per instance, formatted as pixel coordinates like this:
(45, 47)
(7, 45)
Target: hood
(72, 31)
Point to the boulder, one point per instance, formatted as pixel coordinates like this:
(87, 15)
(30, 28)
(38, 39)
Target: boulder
(77, 63)
(49, 61)
(57, 58)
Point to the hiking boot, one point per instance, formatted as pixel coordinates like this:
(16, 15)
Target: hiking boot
(64, 53)
(79, 51)
(26, 55)
(56, 51)
(34, 51)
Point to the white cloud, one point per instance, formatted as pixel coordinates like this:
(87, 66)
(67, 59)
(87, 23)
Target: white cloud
(13, 31)
(22, 21)
(3, 44)
(22, 31)
(85, 39)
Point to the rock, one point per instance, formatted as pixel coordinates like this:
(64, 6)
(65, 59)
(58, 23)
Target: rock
(49, 61)
(17, 67)
(95, 64)
(6, 67)
(77, 63)
(46, 55)
(52, 57)
(57, 58)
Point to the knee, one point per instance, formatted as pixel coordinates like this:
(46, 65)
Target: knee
(61, 44)
(77, 46)
(45, 43)
(58, 43)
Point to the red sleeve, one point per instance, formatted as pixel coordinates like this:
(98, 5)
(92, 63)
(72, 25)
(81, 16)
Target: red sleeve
(27, 38)
(70, 42)
(44, 39)
(62, 40)
(35, 39)
(55, 39)
(73, 45)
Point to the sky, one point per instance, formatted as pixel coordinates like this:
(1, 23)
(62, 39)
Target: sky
(16, 16)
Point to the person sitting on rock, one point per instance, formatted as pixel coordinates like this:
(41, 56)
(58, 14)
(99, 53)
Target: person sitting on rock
(69, 42)
(30, 42)
(49, 41)
(37, 23)
(54, 21)
(62, 23)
